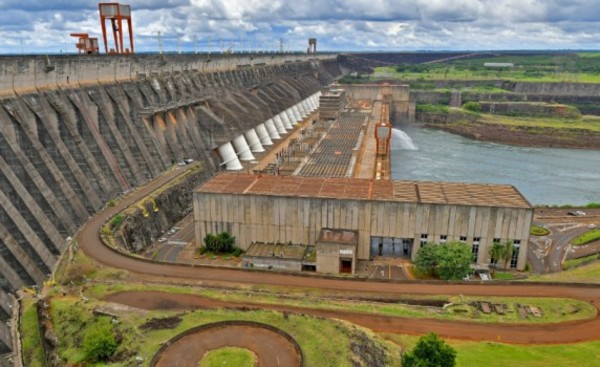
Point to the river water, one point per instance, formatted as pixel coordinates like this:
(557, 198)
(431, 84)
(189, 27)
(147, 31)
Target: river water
(543, 175)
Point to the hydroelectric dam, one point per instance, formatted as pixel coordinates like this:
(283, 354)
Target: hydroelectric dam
(76, 132)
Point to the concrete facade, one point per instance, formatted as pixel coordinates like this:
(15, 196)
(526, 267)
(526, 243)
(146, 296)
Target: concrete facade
(279, 216)
(401, 107)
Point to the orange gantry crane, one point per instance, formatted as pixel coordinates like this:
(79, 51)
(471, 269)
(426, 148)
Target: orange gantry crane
(86, 44)
(117, 14)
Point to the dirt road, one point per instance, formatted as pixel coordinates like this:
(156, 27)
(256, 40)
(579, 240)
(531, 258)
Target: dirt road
(270, 348)
(89, 240)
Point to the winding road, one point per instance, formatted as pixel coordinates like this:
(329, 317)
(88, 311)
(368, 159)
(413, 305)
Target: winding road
(568, 332)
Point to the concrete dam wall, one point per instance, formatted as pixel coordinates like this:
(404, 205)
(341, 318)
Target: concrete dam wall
(66, 148)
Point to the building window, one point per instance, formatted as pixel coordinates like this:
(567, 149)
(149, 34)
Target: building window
(443, 238)
(474, 252)
(515, 254)
(463, 238)
(496, 240)
(476, 240)
(424, 238)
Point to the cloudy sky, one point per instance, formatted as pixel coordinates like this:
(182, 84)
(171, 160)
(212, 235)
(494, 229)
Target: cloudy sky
(43, 26)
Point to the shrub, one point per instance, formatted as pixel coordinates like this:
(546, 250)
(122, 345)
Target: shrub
(220, 243)
(99, 342)
(430, 351)
(116, 221)
(472, 106)
(237, 252)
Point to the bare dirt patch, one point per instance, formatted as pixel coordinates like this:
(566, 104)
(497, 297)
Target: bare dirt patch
(161, 323)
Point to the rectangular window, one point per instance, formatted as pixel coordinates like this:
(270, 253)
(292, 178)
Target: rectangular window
(474, 252)
(463, 238)
(492, 260)
(443, 238)
(515, 254)
(476, 240)
(424, 238)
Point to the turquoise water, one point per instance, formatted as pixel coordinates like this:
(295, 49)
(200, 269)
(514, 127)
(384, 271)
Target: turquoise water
(544, 176)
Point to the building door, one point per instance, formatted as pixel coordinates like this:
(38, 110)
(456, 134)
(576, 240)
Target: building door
(345, 266)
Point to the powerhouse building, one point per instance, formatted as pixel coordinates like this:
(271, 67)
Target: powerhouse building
(350, 219)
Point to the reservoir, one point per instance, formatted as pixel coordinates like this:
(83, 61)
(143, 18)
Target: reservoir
(545, 176)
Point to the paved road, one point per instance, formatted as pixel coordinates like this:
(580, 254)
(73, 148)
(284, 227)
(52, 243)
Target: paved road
(88, 238)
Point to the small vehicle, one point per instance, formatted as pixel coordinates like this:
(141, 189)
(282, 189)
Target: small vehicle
(188, 161)
(577, 213)
(162, 239)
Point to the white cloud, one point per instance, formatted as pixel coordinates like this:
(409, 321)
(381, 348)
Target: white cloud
(338, 24)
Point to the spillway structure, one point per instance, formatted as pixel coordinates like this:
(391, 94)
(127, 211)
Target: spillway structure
(76, 132)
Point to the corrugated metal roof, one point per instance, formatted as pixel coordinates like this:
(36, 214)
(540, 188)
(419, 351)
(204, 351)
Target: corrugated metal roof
(423, 192)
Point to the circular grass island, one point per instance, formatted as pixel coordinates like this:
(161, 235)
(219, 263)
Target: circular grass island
(228, 356)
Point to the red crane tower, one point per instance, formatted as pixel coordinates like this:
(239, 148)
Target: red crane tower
(116, 13)
(86, 44)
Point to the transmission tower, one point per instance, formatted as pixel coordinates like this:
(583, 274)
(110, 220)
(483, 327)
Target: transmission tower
(160, 43)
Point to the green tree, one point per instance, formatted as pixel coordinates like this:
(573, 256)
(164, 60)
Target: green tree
(99, 341)
(454, 260)
(430, 351)
(502, 252)
(427, 258)
(222, 242)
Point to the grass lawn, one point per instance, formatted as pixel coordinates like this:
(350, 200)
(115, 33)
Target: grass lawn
(501, 355)
(573, 263)
(324, 342)
(555, 310)
(587, 237)
(33, 354)
(229, 356)
(582, 274)
(500, 275)
(591, 123)
(572, 67)
(539, 231)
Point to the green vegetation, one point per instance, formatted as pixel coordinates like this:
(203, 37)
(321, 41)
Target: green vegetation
(116, 221)
(555, 310)
(500, 275)
(573, 263)
(222, 243)
(591, 123)
(450, 261)
(502, 252)
(330, 346)
(426, 260)
(430, 351)
(587, 237)
(472, 106)
(432, 108)
(99, 342)
(33, 353)
(490, 354)
(563, 67)
(539, 231)
(229, 356)
(589, 273)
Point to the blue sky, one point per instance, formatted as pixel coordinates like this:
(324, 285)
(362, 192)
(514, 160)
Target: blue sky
(43, 26)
